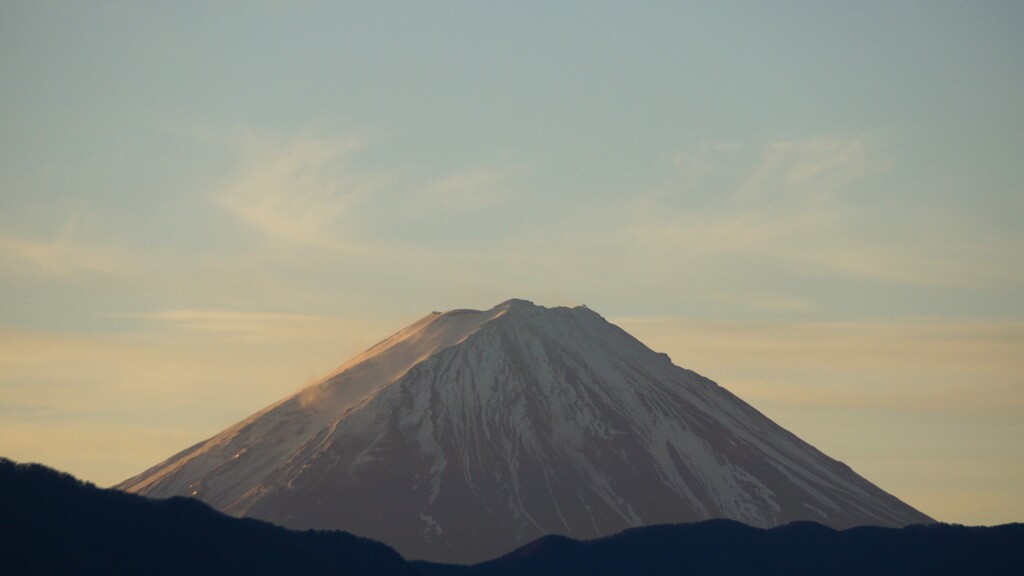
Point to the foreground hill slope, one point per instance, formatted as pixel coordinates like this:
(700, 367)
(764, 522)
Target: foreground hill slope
(470, 433)
(52, 524)
(727, 548)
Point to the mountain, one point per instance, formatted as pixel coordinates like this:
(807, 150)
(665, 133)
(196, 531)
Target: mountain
(54, 525)
(51, 524)
(728, 548)
(470, 433)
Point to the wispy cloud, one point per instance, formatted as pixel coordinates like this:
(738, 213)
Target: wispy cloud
(242, 325)
(803, 170)
(311, 192)
(174, 376)
(801, 203)
(63, 256)
(965, 367)
(703, 159)
(302, 193)
(468, 191)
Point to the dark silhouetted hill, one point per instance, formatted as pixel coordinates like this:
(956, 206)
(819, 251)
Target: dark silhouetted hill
(726, 548)
(53, 524)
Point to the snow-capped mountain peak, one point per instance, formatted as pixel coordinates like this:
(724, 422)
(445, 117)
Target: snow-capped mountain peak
(471, 432)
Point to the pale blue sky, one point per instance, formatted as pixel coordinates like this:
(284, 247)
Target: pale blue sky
(204, 205)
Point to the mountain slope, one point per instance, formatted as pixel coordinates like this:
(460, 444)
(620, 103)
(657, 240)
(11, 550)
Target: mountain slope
(471, 432)
(52, 524)
(725, 548)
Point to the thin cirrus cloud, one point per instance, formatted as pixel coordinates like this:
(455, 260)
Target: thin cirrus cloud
(160, 351)
(966, 367)
(801, 203)
(181, 360)
(302, 193)
(469, 190)
(818, 166)
(312, 192)
(781, 169)
(773, 204)
(248, 326)
(63, 257)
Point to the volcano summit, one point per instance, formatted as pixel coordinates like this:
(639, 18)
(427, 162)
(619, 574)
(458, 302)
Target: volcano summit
(469, 433)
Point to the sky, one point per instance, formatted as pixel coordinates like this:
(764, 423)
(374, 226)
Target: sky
(205, 206)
